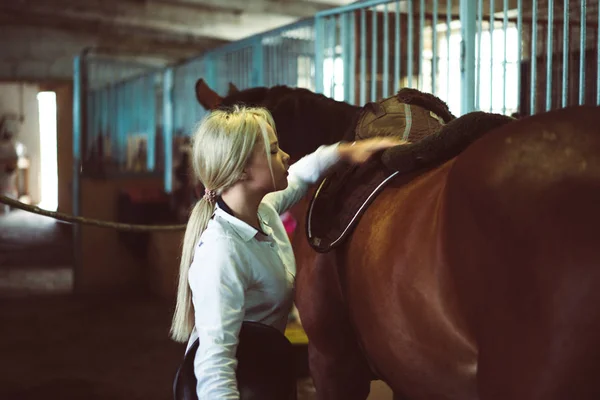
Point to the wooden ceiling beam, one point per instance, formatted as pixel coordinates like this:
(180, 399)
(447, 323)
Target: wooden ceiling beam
(149, 16)
(298, 8)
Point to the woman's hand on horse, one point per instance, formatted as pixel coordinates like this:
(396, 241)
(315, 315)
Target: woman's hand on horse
(360, 151)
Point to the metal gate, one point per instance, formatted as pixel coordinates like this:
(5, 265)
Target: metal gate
(473, 54)
(118, 116)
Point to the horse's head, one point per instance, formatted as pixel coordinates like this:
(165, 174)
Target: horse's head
(304, 119)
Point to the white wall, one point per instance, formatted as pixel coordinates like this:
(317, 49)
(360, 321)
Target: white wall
(29, 134)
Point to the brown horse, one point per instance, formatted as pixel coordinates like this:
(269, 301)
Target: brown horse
(478, 278)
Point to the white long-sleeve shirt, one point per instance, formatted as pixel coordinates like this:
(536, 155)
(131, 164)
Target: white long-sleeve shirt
(239, 274)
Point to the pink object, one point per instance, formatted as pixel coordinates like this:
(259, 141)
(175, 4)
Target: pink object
(289, 222)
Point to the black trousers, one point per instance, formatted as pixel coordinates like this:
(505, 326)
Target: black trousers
(265, 368)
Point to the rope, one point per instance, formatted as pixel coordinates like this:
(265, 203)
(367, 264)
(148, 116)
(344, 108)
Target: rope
(88, 221)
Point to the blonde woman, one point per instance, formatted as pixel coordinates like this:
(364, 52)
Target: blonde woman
(237, 263)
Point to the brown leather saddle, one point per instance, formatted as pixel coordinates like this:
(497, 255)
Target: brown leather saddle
(265, 367)
(434, 136)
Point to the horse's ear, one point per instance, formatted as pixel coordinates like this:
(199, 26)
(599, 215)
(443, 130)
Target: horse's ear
(232, 89)
(208, 98)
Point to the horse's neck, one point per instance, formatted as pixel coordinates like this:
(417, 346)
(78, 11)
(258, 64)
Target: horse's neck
(335, 119)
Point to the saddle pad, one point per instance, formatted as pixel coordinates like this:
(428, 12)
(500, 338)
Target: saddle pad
(340, 200)
(345, 195)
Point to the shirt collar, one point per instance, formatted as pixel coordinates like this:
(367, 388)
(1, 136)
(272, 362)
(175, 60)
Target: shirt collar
(244, 230)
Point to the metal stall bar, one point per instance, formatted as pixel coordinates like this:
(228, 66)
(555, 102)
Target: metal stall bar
(397, 66)
(105, 115)
(448, 31)
(345, 54)
(331, 35)
(505, 27)
(533, 56)
(434, 70)
(386, 51)
(410, 43)
(150, 118)
(352, 65)
(276, 70)
(566, 51)
(520, 48)
(363, 57)
(91, 126)
(467, 57)
(479, 39)
(421, 42)
(374, 32)
(582, 43)
(319, 53)
(79, 125)
(288, 64)
(168, 127)
(258, 59)
(549, 51)
(492, 23)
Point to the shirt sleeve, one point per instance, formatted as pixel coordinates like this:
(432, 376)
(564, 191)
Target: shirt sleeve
(304, 172)
(218, 279)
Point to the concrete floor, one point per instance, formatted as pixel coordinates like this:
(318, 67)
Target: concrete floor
(55, 345)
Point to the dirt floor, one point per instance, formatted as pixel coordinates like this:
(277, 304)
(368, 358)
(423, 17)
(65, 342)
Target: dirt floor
(55, 345)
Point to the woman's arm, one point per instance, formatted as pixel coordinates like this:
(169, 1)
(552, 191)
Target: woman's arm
(304, 172)
(311, 168)
(218, 279)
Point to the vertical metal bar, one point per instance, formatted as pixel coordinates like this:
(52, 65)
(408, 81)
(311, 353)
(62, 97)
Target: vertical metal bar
(268, 76)
(281, 62)
(345, 54)
(90, 131)
(289, 62)
(277, 59)
(168, 127)
(434, 48)
(467, 57)
(319, 54)
(363, 57)
(448, 30)
(374, 52)
(505, 26)
(598, 56)
(582, 43)
(105, 110)
(410, 50)
(248, 72)
(549, 52)
(397, 66)
(534, 13)
(79, 125)
(258, 58)
(140, 106)
(239, 78)
(150, 111)
(333, 38)
(478, 66)
(386, 51)
(352, 67)
(520, 49)
(492, 23)
(421, 44)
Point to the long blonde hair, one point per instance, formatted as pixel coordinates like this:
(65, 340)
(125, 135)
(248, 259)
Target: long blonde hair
(222, 145)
